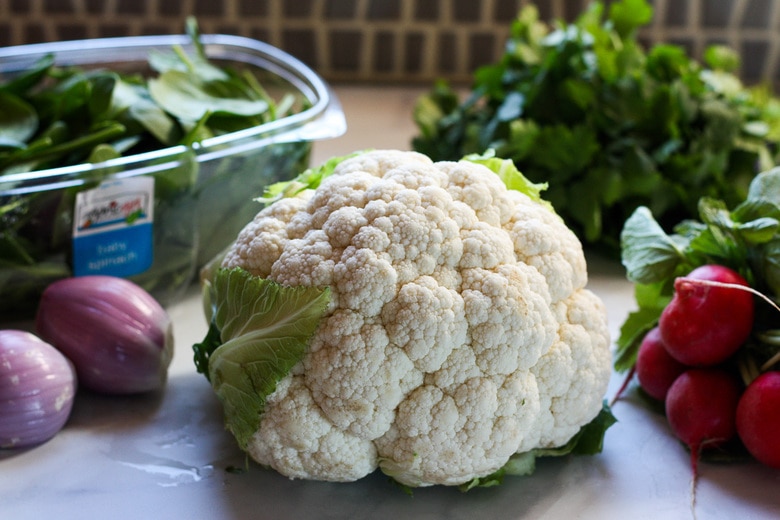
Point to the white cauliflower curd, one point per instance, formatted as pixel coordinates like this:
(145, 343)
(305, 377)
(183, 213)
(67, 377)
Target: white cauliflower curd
(442, 320)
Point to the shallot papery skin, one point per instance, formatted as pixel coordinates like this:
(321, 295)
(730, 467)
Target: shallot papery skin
(119, 337)
(37, 387)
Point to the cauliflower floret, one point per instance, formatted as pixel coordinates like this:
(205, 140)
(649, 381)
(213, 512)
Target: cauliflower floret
(582, 325)
(298, 440)
(261, 243)
(471, 429)
(459, 330)
(429, 344)
(578, 361)
(356, 375)
(541, 239)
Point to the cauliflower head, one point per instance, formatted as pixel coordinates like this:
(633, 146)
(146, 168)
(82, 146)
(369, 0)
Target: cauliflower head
(453, 328)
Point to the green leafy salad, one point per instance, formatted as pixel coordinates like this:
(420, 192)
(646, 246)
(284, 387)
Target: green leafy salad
(54, 116)
(609, 125)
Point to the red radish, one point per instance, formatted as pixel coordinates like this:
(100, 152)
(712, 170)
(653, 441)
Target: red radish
(701, 409)
(655, 368)
(758, 418)
(704, 324)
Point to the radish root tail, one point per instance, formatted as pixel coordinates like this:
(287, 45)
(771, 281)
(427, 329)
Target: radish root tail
(695, 454)
(623, 386)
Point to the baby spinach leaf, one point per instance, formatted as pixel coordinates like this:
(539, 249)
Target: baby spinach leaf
(178, 94)
(134, 102)
(102, 92)
(29, 78)
(180, 61)
(18, 120)
(64, 97)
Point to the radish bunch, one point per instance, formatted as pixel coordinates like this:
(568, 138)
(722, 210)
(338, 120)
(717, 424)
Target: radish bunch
(690, 362)
(702, 340)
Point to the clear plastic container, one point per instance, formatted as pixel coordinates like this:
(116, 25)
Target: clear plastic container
(201, 197)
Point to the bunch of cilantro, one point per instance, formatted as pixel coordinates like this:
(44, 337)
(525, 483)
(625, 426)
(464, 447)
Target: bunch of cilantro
(745, 238)
(607, 124)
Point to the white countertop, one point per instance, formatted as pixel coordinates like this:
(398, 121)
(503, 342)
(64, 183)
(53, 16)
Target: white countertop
(168, 456)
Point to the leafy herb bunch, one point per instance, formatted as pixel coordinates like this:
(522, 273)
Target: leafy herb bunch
(607, 124)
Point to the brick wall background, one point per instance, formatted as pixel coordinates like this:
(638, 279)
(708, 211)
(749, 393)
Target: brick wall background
(391, 40)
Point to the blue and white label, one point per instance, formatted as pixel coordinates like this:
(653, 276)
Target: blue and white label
(112, 228)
